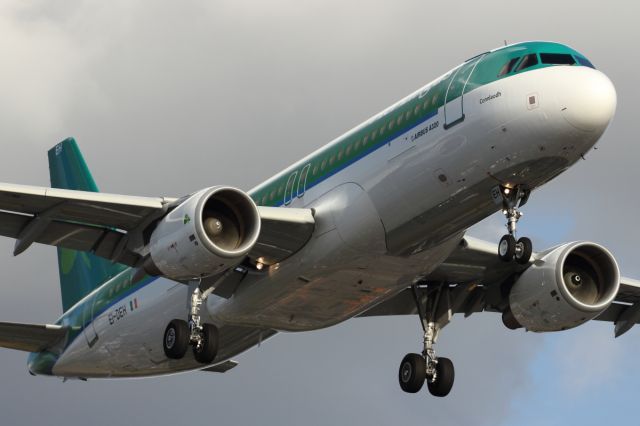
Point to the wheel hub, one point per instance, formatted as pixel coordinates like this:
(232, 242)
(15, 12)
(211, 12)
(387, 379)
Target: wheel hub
(170, 338)
(503, 248)
(406, 372)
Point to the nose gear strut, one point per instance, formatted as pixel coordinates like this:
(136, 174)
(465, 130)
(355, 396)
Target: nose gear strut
(508, 248)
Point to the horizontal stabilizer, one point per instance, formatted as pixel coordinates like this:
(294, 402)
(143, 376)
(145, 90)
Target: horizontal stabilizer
(30, 337)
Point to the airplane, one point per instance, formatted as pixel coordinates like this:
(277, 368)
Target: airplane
(371, 224)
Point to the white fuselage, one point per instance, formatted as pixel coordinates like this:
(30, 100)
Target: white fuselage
(386, 219)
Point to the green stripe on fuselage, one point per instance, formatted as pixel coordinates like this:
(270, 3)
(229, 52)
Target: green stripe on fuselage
(421, 106)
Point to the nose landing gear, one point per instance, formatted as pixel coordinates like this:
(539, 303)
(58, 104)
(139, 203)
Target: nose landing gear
(203, 338)
(508, 248)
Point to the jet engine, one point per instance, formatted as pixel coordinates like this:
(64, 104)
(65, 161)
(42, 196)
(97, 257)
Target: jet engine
(565, 287)
(209, 232)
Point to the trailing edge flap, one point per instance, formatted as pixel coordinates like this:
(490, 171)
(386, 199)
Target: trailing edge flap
(100, 223)
(30, 337)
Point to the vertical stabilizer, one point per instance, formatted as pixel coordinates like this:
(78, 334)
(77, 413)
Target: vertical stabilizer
(80, 272)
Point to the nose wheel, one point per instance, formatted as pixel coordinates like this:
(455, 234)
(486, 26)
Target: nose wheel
(509, 248)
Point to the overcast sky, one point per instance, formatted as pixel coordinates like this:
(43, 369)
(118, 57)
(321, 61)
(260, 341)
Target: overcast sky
(166, 97)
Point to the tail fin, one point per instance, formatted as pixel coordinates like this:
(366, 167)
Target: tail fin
(80, 272)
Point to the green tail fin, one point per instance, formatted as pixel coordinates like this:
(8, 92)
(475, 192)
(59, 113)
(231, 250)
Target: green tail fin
(80, 272)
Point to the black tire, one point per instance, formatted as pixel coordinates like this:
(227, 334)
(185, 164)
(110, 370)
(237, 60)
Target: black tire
(445, 374)
(507, 248)
(176, 339)
(526, 249)
(208, 350)
(413, 372)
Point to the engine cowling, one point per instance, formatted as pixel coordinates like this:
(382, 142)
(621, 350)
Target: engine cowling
(209, 232)
(566, 287)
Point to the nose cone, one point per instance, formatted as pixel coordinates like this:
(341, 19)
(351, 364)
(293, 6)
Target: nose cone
(588, 99)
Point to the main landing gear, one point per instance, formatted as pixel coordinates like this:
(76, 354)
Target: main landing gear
(509, 249)
(204, 338)
(415, 369)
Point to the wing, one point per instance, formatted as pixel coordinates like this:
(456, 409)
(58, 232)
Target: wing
(31, 337)
(107, 224)
(474, 276)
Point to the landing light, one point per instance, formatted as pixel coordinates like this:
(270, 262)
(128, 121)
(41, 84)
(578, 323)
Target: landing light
(506, 190)
(259, 266)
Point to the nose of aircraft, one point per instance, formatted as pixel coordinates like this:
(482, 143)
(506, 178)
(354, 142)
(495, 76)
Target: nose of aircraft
(588, 100)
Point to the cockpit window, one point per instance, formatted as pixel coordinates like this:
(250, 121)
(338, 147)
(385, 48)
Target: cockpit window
(528, 61)
(557, 59)
(585, 62)
(506, 68)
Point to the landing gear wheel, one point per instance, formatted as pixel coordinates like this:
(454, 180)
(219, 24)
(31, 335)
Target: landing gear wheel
(176, 339)
(413, 372)
(445, 375)
(524, 248)
(207, 350)
(507, 248)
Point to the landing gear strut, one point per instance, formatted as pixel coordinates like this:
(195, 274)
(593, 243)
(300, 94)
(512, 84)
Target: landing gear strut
(416, 368)
(508, 248)
(203, 338)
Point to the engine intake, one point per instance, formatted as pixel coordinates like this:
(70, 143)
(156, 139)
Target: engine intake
(566, 287)
(209, 232)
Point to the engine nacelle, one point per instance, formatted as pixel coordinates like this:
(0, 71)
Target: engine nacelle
(211, 231)
(566, 287)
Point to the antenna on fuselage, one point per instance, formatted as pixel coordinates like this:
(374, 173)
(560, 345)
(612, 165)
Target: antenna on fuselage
(505, 42)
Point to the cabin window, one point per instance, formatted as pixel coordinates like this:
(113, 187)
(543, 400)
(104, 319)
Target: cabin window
(348, 151)
(323, 165)
(508, 66)
(527, 62)
(340, 155)
(264, 200)
(373, 135)
(585, 62)
(399, 120)
(332, 159)
(416, 110)
(390, 126)
(407, 115)
(557, 59)
(315, 170)
(365, 140)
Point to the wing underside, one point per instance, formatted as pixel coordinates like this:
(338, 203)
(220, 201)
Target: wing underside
(473, 277)
(30, 337)
(108, 224)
